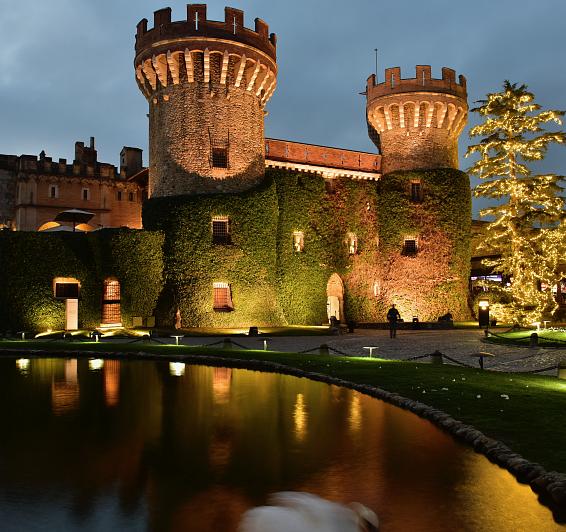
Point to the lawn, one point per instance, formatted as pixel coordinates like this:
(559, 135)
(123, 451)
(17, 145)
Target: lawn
(527, 412)
(546, 337)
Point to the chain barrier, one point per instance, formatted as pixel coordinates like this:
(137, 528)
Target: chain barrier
(308, 351)
(415, 358)
(458, 362)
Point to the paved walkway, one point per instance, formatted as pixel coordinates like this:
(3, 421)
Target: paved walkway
(457, 344)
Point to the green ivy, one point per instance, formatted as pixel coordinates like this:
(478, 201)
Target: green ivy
(30, 262)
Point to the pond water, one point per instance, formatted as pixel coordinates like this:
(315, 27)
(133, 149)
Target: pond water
(139, 445)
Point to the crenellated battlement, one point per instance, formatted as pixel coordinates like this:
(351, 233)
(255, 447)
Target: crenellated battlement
(422, 82)
(198, 25)
(419, 119)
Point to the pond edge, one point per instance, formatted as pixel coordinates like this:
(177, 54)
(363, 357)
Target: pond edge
(550, 486)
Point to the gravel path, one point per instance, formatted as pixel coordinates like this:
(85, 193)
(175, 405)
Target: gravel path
(457, 344)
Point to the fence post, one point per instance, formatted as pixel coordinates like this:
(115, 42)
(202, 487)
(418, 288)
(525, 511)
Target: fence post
(323, 350)
(227, 344)
(436, 357)
(534, 340)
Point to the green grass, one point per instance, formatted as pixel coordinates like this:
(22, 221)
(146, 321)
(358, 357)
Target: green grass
(546, 338)
(532, 421)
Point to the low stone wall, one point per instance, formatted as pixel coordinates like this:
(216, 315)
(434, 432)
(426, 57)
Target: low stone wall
(550, 486)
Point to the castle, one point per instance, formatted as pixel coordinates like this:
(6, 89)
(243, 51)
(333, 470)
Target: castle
(241, 230)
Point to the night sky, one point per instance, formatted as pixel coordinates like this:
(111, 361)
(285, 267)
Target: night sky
(66, 66)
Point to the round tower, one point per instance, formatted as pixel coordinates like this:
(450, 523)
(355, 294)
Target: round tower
(418, 120)
(207, 84)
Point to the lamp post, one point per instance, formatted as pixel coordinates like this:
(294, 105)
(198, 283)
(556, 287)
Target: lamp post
(483, 313)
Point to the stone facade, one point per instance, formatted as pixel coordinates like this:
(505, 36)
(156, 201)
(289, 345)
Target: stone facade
(418, 120)
(207, 83)
(35, 189)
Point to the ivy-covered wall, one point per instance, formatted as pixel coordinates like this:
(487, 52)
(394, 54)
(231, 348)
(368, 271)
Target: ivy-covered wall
(170, 267)
(30, 261)
(193, 262)
(435, 280)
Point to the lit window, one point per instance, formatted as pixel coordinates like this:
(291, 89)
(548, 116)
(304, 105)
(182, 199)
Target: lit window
(130, 196)
(298, 241)
(53, 191)
(66, 288)
(119, 195)
(222, 297)
(86, 194)
(221, 230)
(410, 247)
(111, 302)
(219, 158)
(416, 191)
(352, 242)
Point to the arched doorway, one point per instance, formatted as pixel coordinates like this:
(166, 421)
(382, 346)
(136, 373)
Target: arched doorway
(335, 298)
(111, 314)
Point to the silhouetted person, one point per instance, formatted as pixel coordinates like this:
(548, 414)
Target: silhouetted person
(393, 317)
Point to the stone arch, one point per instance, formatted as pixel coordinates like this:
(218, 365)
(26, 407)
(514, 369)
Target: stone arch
(335, 298)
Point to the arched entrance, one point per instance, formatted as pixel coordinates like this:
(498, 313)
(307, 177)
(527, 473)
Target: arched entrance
(335, 298)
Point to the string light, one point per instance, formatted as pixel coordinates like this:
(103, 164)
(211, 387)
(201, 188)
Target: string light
(526, 226)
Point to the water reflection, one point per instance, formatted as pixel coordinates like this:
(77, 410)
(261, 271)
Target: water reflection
(65, 389)
(221, 384)
(95, 364)
(112, 382)
(177, 369)
(300, 417)
(145, 449)
(23, 365)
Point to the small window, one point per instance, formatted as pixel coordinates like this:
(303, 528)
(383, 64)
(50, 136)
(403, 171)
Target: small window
(119, 195)
(53, 191)
(352, 242)
(130, 196)
(221, 230)
(222, 297)
(330, 185)
(219, 158)
(66, 289)
(298, 241)
(86, 194)
(410, 247)
(416, 191)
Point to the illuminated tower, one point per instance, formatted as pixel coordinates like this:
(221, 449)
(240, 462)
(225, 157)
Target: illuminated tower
(418, 120)
(207, 84)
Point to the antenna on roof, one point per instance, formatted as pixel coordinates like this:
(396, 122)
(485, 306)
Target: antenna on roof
(376, 71)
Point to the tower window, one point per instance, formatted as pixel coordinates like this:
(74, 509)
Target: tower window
(53, 191)
(416, 191)
(86, 194)
(119, 195)
(130, 196)
(298, 241)
(352, 242)
(410, 247)
(222, 297)
(219, 157)
(221, 230)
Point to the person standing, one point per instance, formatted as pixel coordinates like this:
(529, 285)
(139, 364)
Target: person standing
(393, 317)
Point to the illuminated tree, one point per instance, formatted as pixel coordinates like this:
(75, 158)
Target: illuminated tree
(526, 224)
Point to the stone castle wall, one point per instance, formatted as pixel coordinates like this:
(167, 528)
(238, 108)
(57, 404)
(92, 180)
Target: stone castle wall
(184, 125)
(207, 84)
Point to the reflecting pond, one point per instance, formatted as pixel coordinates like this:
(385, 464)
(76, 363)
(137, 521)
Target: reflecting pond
(139, 445)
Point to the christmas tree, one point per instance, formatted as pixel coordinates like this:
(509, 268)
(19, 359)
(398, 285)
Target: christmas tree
(526, 223)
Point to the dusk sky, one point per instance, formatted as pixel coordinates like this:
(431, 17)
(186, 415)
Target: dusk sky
(66, 66)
